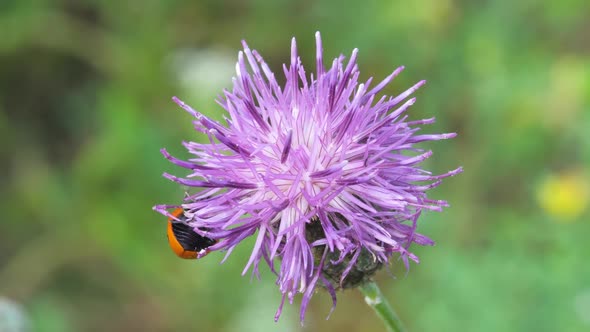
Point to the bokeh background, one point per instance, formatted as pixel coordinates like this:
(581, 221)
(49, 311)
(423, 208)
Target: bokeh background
(85, 106)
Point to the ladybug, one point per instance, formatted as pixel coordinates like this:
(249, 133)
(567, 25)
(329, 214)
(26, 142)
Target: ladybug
(184, 241)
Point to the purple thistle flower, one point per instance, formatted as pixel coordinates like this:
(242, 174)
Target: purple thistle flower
(321, 170)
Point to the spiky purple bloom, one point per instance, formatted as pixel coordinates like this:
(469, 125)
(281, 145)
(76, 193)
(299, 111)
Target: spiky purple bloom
(320, 150)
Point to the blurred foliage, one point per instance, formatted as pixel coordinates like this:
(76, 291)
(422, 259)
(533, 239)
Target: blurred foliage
(85, 106)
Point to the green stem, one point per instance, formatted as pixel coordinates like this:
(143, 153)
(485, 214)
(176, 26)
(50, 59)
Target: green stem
(377, 301)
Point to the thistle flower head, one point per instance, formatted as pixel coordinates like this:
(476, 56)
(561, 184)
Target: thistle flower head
(322, 170)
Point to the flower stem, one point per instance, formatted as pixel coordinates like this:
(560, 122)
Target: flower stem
(378, 302)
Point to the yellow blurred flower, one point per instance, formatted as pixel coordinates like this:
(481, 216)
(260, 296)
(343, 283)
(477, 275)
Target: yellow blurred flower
(433, 15)
(564, 196)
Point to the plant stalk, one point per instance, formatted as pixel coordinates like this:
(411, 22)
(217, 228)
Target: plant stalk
(378, 302)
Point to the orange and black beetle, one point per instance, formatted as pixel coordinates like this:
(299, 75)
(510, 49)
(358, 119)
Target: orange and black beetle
(184, 241)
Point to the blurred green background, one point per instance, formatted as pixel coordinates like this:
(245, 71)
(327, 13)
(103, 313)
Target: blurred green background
(85, 90)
